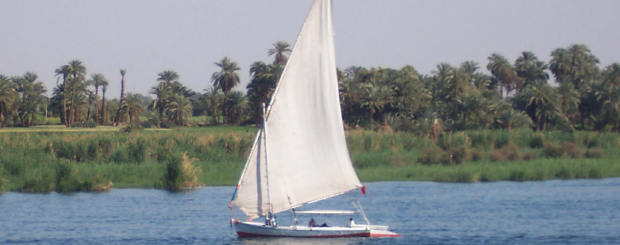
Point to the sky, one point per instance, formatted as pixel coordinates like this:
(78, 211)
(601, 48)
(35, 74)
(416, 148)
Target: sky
(149, 36)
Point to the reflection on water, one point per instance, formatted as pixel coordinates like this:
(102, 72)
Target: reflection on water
(300, 241)
(561, 212)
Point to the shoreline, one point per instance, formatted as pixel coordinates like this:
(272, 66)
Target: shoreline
(42, 162)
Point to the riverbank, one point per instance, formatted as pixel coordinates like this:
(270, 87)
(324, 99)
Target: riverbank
(67, 160)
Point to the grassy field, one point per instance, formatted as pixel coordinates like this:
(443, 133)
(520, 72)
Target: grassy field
(54, 158)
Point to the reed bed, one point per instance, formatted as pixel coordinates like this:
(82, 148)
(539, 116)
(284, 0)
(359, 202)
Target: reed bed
(56, 159)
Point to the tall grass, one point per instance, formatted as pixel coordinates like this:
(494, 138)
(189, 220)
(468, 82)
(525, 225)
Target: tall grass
(91, 160)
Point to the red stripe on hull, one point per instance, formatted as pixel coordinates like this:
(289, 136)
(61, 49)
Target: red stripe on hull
(363, 234)
(384, 235)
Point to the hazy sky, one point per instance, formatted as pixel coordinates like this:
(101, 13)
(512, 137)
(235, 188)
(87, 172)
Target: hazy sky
(149, 36)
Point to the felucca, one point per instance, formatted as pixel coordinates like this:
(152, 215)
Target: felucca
(300, 155)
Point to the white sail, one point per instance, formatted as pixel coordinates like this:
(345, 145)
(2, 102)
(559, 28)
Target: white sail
(308, 159)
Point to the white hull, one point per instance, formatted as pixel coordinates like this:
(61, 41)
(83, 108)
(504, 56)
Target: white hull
(255, 229)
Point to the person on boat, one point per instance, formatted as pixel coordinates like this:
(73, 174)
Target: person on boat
(351, 222)
(270, 220)
(312, 223)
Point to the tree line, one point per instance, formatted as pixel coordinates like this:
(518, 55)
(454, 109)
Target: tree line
(515, 94)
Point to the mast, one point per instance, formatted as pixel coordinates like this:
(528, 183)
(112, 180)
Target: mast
(266, 160)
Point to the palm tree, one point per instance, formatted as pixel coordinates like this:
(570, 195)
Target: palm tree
(31, 97)
(162, 94)
(123, 72)
(503, 73)
(280, 49)
(608, 97)
(7, 97)
(117, 119)
(77, 73)
(132, 108)
(376, 97)
(576, 65)
(263, 81)
(104, 114)
(97, 80)
(233, 107)
(568, 98)
(64, 71)
(227, 78)
(214, 100)
(530, 69)
(91, 97)
(179, 109)
(541, 105)
(168, 76)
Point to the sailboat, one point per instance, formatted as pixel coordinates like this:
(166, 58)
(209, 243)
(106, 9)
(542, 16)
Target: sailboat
(300, 155)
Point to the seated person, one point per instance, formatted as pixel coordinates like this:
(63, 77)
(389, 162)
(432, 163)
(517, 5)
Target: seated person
(312, 223)
(351, 222)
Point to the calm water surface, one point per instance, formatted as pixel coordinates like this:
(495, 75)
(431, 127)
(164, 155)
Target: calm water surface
(551, 212)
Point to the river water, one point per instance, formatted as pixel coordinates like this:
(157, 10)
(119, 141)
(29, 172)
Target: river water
(550, 212)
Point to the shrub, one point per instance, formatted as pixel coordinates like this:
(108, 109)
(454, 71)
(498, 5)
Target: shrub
(95, 183)
(3, 180)
(180, 173)
(536, 141)
(37, 181)
(119, 156)
(66, 180)
(572, 150)
(511, 151)
(517, 175)
(83, 124)
(432, 155)
(476, 154)
(456, 155)
(455, 140)
(592, 140)
(528, 156)
(551, 149)
(594, 153)
(136, 151)
(132, 128)
(498, 156)
(501, 139)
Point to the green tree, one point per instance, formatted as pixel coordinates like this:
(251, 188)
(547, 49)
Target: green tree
(568, 99)
(97, 80)
(168, 76)
(576, 65)
(280, 50)
(378, 94)
(30, 96)
(263, 81)
(214, 99)
(227, 78)
(608, 96)
(64, 72)
(104, 113)
(119, 117)
(233, 107)
(530, 69)
(132, 108)
(179, 109)
(503, 73)
(8, 96)
(539, 101)
(76, 88)
(166, 92)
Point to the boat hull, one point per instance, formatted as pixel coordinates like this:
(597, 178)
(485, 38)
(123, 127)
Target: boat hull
(255, 229)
